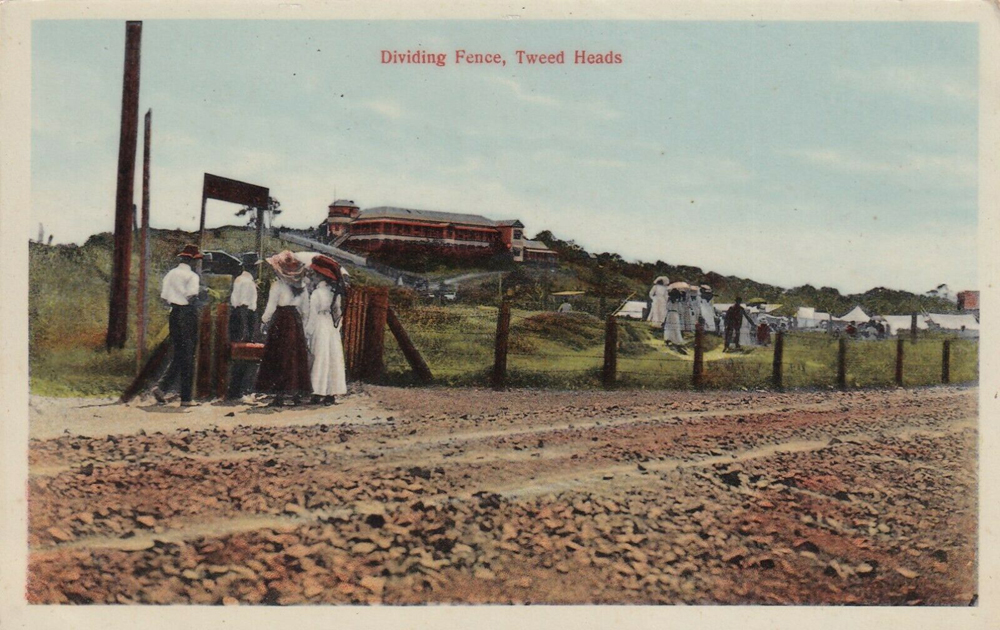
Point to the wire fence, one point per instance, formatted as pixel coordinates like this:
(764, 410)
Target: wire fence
(545, 349)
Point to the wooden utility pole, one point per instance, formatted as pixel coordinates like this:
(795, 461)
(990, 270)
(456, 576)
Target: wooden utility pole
(121, 258)
(140, 292)
(610, 372)
(913, 328)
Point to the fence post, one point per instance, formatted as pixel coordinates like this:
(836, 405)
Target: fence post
(699, 358)
(779, 351)
(417, 363)
(946, 362)
(842, 363)
(610, 372)
(899, 363)
(913, 327)
(500, 345)
(375, 322)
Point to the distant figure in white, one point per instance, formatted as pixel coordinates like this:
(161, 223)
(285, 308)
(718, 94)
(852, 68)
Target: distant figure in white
(326, 308)
(566, 307)
(705, 309)
(672, 322)
(658, 301)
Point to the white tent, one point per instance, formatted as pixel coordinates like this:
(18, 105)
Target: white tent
(809, 317)
(901, 323)
(856, 316)
(953, 322)
(632, 309)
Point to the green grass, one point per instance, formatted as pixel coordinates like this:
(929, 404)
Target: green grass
(549, 350)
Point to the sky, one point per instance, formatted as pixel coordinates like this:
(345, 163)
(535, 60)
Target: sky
(834, 154)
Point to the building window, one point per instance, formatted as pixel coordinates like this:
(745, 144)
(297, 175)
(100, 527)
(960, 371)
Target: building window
(517, 251)
(518, 235)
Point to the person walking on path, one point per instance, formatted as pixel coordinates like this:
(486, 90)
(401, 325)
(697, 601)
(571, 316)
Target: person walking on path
(181, 287)
(284, 368)
(734, 321)
(326, 306)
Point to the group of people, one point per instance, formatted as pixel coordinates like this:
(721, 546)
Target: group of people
(303, 352)
(677, 308)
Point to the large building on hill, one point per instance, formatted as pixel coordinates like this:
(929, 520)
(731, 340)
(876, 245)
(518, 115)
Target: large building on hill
(388, 229)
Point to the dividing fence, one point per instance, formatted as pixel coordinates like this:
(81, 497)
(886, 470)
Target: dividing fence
(504, 347)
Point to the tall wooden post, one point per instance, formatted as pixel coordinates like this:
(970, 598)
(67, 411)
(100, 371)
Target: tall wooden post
(697, 376)
(610, 372)
(842, 363)
(500, 345)
(140, 293)
(899, 362)
(779, 351)
(121, 258)
(946, 362)
(375, 322)
(913, 327)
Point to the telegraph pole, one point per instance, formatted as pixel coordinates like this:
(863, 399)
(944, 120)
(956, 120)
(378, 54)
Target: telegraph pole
(121, 259)
(140, 297)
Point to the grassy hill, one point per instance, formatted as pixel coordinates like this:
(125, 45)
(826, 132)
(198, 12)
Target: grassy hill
(68, 311)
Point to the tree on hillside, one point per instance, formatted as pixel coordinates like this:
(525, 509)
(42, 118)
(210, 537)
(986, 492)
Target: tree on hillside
(273, 209)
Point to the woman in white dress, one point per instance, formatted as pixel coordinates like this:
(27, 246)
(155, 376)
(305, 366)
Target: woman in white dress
(705, 309)
(326, 307)
(658, 301)
(672, 323)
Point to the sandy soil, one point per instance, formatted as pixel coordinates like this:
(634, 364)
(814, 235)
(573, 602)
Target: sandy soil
(443, 495)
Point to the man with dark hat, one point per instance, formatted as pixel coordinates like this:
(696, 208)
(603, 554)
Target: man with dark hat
(734, 321)
(181, 287)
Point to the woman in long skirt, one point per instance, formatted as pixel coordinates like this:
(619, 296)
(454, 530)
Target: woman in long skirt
(672, 323)
(658, 301)
(326, 307)
(284, 368)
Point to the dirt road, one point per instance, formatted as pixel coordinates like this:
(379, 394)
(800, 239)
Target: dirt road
(409, 496)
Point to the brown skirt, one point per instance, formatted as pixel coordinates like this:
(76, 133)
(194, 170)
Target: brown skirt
(284, 369)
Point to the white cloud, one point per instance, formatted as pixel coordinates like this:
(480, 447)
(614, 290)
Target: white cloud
(528, 96)
(958, 169)
(386, 108)
(925, 83)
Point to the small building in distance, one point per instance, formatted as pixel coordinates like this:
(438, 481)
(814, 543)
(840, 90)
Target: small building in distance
(388, 229)
(968, 301)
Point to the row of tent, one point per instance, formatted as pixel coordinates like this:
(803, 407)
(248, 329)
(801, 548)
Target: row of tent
(807, 318)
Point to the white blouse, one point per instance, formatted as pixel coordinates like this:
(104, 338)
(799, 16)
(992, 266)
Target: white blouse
(281, 294)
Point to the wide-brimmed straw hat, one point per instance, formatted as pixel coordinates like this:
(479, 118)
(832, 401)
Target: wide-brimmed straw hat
(662, 280)
(679, 286)
(288, 267)
(190, 251)
(326, 267)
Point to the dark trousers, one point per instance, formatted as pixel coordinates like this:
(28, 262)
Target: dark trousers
(732, 336)
(184, 339)
(242, 373)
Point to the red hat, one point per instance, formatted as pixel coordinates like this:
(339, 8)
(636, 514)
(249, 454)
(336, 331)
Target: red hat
(326, 266)
(190, 251)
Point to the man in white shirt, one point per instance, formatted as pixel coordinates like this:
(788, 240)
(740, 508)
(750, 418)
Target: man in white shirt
(181, 287)
(243, 305)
